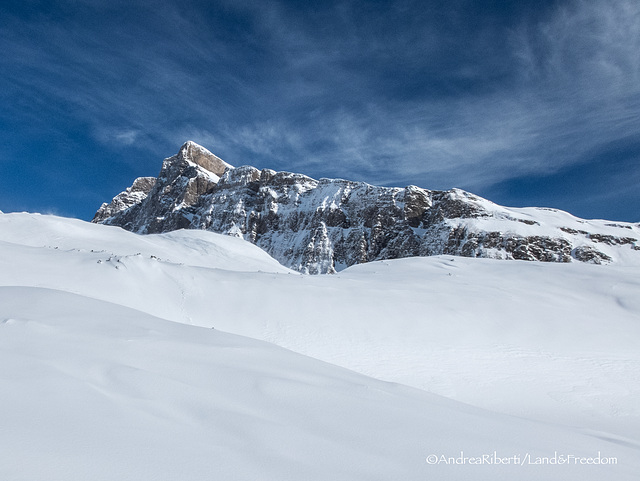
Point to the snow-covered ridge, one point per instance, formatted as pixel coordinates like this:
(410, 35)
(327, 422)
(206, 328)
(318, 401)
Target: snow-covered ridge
(323, 226)
(120, 248)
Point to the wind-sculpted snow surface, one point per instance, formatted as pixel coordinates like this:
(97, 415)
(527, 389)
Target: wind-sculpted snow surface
(322, 226)
(92, 390)
(98, 384)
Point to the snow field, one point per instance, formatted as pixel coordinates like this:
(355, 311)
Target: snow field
(97, 384)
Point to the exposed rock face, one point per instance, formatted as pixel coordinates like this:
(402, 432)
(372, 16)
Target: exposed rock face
(191, 173)
(320, 226)
(134, 195)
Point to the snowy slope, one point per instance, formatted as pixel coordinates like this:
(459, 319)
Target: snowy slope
(193, 248)
(95, 391)
(92, 372)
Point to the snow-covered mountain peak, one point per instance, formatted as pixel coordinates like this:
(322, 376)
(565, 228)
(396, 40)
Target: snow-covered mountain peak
(183, 179)
(322, 226)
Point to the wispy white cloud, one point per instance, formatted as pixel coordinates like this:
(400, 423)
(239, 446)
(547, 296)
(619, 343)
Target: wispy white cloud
(340, 92)
(575, 90)
(120, 137)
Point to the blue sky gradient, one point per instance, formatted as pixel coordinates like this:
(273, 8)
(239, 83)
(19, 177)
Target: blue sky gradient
(523, 102)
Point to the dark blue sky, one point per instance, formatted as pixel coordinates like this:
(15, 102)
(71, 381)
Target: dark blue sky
(523, 102)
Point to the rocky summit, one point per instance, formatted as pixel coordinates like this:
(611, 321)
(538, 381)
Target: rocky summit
(323, 226)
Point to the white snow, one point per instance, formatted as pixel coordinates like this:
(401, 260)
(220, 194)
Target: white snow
(193, 248)
(98, 384)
